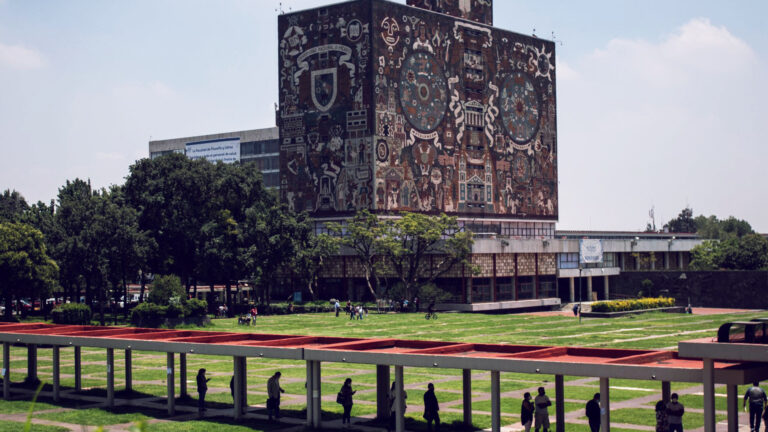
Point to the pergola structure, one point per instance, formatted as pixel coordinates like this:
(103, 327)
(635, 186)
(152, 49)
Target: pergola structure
(663, 366)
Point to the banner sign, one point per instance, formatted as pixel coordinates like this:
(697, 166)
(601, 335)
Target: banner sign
(226, 150)
(590, 251)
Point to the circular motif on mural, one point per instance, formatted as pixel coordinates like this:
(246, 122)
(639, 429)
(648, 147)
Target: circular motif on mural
(382, 151)
(423, 91)
(520, 111)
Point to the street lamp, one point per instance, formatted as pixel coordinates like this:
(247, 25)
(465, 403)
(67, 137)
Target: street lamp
(579, 293)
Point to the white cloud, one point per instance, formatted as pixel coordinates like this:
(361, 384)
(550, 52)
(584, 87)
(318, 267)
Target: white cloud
(20, 57)
(664, 123)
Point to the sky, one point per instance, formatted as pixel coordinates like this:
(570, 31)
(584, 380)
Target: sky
(659, 102)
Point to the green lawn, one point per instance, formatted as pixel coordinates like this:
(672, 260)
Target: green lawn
(653, 331)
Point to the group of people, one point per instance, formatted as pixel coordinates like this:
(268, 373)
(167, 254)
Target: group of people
(273, 393)
(354, 311)
(533, 412)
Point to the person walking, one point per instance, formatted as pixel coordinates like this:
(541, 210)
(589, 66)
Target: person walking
(345, 399)
(273, 394)
(757, 399)
(202, 388)
(337, 306)
(675, 411)
(661, 417)
(431, 408)
(526, 412)
(541, 414)
(393, 407)
(254, 314)
(593, 413)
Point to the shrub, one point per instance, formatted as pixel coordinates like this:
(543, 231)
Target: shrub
(174, 310)
(164, 288)
(195, 308)
(148, 314)
(633, 304)
(72, 313)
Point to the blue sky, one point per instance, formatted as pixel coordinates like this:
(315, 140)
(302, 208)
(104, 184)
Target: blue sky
(660, 104)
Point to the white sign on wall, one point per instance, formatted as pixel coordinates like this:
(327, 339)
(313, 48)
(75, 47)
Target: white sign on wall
(590, 251)
(226, 150)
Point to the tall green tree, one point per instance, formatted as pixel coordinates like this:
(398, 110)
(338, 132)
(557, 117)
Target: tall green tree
(25, 268)
(683, 223)
(314, 250)
(362, 234)
(746, 253)
(76, 255)
(12, 206)
(420, 248)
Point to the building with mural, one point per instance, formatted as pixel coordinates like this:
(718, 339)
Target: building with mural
(423, 107)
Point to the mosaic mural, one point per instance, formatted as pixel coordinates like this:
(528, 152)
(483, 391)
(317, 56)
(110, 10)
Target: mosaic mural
(475, 10)
(392, 108)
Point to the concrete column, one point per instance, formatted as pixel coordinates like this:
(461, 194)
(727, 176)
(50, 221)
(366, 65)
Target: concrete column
(317, 394)
(606, 288)
(399, 400)
(469, 289)
(238, 381)
(733, 407)
(637, 261)
(466, 393)
(605, 405)
(709, 395)
(182, 375)
(495, 402)
(110, 377)
(589, 288)
(32, 363)
(651, 258)
(244, 386)
(666, 260)
(572, 289)
(560, 403)
(666, 390)
(382, 392)
(128, 370)
(680, 261)
(171, 385)
(310, 368)
(56, 374)
(78, 370)
(6, 370)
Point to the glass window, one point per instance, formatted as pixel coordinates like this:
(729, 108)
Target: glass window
(568, 260)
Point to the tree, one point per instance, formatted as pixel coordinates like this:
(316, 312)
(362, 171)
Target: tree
(166, 288)
(713, 228)
(362, 234)
(12, 206)
(25, 268)
(683, 223)
(313, 251)
(747, 253)
(420, 248)
(704, 256)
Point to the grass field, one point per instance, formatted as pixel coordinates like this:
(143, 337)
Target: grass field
(632, 401)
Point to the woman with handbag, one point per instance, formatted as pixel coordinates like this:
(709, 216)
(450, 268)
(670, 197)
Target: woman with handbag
(345, 399)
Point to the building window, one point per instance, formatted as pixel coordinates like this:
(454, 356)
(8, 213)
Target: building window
(568, 260)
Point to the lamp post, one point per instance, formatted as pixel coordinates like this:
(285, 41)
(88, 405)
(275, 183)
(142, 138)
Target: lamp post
(579, 293)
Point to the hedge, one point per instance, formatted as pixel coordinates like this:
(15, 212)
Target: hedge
(633, 304)
(72, 313)
(152, 315)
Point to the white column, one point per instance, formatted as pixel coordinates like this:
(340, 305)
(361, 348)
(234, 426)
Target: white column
(182, 375)
(572, 289)
(6, 370)
(733, 408)
(680, 260)
(495, 402)
(709, 395)
(310, 383)
(606, 287)
(466, 395)
(666, 260)
(589, 288)
(56, 374)
(110, 377)
(238, 390)
(317, 394)
(605, 405)
(128, 370)
(399, 400)
(78, 370)
(171, 385)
